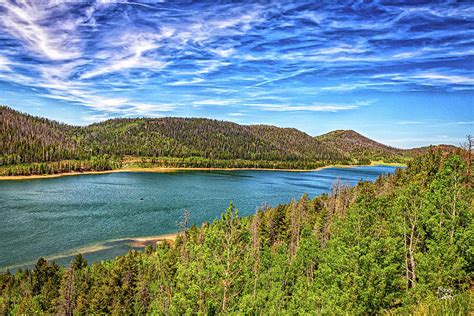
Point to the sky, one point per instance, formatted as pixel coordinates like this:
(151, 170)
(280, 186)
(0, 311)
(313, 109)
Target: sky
(402, 74)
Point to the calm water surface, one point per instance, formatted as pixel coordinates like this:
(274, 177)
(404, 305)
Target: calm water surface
(94, 214)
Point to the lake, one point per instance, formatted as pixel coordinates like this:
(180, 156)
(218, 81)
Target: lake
(97, 214)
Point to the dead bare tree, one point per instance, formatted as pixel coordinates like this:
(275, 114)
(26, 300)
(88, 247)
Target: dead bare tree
(254, 230)
(231, 251)
(294, 228)
(411, 239)
(336, 205)
(183, 227)
(467, 146)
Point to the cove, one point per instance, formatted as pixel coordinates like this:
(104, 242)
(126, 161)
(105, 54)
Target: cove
(97, 214)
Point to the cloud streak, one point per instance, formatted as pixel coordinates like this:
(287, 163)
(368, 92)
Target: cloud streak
(25, 21)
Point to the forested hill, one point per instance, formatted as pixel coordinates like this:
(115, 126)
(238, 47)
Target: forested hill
(28, 139)
(184, 137)
(357, 144)
(399, 246)
(362, 148)
(180, 142)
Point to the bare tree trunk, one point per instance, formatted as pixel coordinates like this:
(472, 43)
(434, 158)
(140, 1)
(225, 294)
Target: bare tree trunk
(183, 226)
(453, 214)
(412, 257)
(224, 299)
(293, 230)
(467, 146)
(469, 154)
(231, 271)
(407, 269)
(256, 248)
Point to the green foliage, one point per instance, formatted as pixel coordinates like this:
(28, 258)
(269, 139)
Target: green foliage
(401, 245)
(95, 163)
(199, 162)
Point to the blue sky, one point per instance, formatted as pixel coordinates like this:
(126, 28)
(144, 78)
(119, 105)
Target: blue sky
(402, 74)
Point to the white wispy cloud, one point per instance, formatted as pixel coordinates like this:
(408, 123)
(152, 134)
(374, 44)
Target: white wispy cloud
(185, 82)
(288, 76)
(275, 104)
(343, 87)
(133, 58)
(25, 20)
(453, 123)
(221, 52)
(5, 63)
(236, 114)
(307, 108)
(132, 62)
(405, 55)
(346, 49)
(111, 105)
(453, 79)
(215, 102)
(409, 122)
(243, 20)
(207, 67)
(409, 142)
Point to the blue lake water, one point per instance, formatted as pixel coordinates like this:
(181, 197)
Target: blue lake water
(95, 214)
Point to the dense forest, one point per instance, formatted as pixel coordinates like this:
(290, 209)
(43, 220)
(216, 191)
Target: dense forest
(401, 245)
(34, 145)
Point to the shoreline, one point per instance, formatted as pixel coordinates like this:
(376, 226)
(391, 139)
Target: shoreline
(133, 242)
(176, 169)
(141, 242)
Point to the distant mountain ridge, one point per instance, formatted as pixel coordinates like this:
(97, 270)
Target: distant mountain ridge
(360, 146)
(29, 139)
(354, 141)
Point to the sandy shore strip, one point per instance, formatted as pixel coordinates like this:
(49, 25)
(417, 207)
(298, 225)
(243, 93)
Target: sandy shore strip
(140, 242)
(135, 242)
(174, 169)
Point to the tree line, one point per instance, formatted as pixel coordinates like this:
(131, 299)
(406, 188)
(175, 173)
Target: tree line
(95, 163)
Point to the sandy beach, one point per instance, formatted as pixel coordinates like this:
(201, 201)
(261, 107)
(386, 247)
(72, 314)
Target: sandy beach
(152, 240)
(135, 242)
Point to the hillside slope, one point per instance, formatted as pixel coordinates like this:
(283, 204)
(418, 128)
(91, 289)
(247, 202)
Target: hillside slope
(184, 137)
(424, 149)
(361, 147)
(364, 149)
(27, 139)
